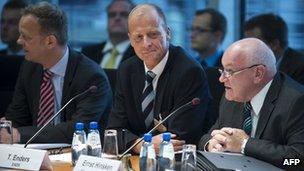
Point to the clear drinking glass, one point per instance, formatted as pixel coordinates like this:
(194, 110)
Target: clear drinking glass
(6, 132)
(189, 157)
(110, 148)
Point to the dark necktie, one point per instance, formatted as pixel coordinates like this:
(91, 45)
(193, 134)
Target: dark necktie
(247, 124)
(46, 103)
(148, 96)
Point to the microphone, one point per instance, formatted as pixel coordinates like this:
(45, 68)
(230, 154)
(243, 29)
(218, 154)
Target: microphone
(195, 101)
(92, 89)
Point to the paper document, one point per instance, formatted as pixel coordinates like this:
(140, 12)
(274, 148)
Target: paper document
(65, 157)
(44, 146)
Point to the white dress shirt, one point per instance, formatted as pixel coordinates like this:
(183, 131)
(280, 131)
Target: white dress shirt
(58, 71)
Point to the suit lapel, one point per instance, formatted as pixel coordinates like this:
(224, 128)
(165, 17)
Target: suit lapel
(138, 83)
(268, 106)
(238, 117)
(69, 75)
(162, 83)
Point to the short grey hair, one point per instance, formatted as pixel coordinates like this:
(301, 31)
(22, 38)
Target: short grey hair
(259, 53)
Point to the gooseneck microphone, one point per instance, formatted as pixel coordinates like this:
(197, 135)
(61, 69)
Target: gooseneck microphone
(195, 101)
(92, 89)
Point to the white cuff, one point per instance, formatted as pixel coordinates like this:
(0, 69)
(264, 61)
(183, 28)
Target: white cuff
(244, 145)
(206, 145)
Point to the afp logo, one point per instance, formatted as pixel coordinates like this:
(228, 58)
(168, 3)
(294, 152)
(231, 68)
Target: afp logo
(291, 162)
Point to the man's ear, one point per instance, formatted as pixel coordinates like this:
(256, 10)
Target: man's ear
(168, 33)
(50, 41)
(259, 73)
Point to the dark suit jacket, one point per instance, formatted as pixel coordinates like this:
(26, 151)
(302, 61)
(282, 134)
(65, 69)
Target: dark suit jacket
(293, 65)
(216, 89)
(9, 69)
(280, 129)
(95, 52)
(181, 81)
(81, 73)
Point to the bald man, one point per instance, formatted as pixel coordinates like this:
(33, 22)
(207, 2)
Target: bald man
(157, 81)
(262, 114)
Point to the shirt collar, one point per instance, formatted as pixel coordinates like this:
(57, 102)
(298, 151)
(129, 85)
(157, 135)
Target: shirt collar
(159, 68)
(258, 100)
(121, 47)
(60, 67)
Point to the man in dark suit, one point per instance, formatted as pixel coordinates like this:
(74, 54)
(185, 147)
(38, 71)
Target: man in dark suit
(262, 113)
(208, 31)
(51, 75)
(10, 16)
(273, 30)
(104, 53)
(172, 79)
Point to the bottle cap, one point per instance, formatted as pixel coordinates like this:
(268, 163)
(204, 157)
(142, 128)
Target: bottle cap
(166, 136)
(93, 125)
(79, 126)
(148, 137)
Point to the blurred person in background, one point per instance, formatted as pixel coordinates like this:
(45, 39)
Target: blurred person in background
(10, 16)
(272, 29)
(208, 31)
(109, 54)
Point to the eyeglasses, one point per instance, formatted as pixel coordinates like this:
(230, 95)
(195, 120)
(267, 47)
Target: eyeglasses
(228, 73)
(121, 14)
(200, 30)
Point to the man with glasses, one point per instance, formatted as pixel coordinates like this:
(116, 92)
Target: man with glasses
(207, 33)
(110, 53)
(262, 114)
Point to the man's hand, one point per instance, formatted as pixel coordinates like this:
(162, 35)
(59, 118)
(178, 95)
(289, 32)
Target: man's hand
(157, 139)
(235, 140)
(227, 139)
(6, 137)
(218, 140)
(16, 136)
(214, 146)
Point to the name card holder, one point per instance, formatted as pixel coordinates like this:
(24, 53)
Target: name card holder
(23, 158)
(89, 163)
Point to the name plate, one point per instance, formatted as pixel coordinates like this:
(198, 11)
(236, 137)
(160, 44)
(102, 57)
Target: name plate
(96, 164)
(21, 158)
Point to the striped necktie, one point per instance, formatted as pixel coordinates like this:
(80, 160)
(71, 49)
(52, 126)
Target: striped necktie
(247, 124)
(112, 60)
(148, 99)
(46, 103)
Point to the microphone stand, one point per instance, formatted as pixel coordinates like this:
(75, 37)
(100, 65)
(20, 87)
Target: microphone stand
(192, 102)
(92, 88)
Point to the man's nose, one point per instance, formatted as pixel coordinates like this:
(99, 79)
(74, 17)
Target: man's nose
(147, 41)
(19, 41)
